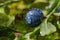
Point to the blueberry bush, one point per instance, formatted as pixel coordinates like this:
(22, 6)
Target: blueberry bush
(29, 19)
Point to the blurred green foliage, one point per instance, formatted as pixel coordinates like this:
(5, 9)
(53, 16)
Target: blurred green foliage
(13, 25)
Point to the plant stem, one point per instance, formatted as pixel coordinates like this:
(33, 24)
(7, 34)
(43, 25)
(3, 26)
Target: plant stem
(52, 11)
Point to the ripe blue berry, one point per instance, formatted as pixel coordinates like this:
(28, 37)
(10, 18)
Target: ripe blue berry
(34, 17)
(58, 10)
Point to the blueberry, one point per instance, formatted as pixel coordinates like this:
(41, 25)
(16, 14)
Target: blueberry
(58, 10)
(34, 17)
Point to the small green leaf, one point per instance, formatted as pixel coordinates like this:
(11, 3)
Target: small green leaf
(41, 1)
(57, 14)
(3, 19)
(11, 19)
(7, 10)
(28, 1)
(58, 23)
(40, 5)
(47, 28)
(16, 38)
(27, 36)
(2, 10)
(6, 20)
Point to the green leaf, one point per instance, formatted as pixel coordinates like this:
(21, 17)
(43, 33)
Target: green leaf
(47, 28)
(27, 36)
(20, 25)
(16, 38)
(3, 19)
(6, 9)
(2, 10)
(58, 24)
(40, 5)
(4, 38)
(32, 35)
(6, 20)
(28, 1)
(11, 19)
(41, 1)
(57, 14)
